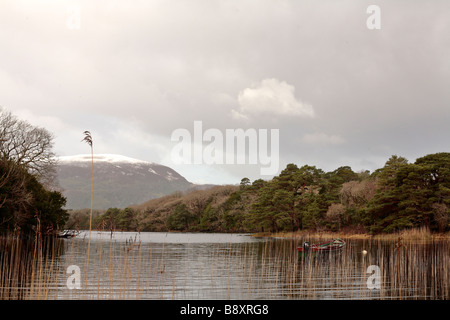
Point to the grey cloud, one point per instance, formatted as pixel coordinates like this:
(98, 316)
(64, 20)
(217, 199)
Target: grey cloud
(145, 68)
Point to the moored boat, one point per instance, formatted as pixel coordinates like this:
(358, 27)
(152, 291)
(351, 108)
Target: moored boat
(68, 234)
(333, 245)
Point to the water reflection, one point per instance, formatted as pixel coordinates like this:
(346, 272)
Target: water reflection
(238, 266)
(26, 265)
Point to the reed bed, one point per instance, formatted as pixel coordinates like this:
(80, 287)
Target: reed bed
(26, 267)
(417, 234)
(270, 269)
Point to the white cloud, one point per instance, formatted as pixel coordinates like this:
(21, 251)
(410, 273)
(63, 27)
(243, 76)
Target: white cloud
(322, 139)
(271, 97)
(238, 116)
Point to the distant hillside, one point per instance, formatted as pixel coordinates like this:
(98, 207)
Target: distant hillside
(218, 208)
(118, 181)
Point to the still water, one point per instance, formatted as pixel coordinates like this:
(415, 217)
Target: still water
(127, 265)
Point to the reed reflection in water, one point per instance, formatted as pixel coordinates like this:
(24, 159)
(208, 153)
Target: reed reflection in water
(225, 266)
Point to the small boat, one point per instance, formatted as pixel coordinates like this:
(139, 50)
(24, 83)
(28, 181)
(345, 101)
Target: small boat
(67, 234)
(330, 246)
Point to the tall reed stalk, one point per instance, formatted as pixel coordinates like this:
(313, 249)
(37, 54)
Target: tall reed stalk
(88, 139)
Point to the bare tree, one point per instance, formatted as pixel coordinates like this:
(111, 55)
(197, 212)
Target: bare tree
(335, 213)
(357, 193)
(27, 145)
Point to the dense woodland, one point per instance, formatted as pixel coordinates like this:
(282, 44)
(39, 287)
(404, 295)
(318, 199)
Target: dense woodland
(398, 196)
(29, 203)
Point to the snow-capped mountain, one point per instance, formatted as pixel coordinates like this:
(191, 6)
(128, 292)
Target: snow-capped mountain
(119, 181)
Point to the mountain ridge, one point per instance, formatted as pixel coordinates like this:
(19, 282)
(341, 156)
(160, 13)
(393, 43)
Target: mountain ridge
(105, 157)
(119, 181)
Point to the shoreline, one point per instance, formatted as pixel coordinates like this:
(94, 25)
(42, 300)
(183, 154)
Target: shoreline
(421, 234)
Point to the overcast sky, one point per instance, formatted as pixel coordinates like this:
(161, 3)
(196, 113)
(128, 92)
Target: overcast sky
(132, 72)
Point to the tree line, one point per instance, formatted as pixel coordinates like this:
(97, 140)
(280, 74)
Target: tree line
(398, 196)
(29, 201)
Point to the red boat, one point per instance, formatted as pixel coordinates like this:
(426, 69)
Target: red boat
(334, 245)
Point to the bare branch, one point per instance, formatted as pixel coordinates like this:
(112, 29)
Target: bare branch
(26, 145)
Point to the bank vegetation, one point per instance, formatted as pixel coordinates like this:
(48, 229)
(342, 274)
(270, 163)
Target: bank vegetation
(400, 196)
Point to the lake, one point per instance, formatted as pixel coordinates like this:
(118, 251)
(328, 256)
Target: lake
(152, 265)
